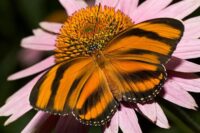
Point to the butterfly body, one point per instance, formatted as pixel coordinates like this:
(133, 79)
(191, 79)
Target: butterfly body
(130, 68)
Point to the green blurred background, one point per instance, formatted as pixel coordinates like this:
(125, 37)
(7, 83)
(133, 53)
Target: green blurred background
(17, 19)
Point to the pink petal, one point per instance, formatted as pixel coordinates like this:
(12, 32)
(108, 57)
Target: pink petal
(128, 120)
(51, 27)
(175, 94)
(180, 10)
(161, 117)
(188, 55)
(69, 124)
(189, 82)
(39, 32)
(180, 65)
(113, 127)
(18, 104)
(13, 106)
(127, 6)
(73, 5)
(17, 115)
(148, 9)
(41, 123)
(45, 43)
(188, 87)
(188, 45)
(149, 110)
(33, 69)
(192, 29)
(156, 114)
(97, 2)
(110, 3)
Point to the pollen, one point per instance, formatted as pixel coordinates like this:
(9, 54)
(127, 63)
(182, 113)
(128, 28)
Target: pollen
(88, 31)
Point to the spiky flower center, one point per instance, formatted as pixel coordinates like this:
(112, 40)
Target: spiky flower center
(88, 31)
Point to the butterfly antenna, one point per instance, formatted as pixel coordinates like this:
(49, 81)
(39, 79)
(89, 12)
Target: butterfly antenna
(97, 19)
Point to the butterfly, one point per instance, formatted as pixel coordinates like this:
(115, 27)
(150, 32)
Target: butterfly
(129, 69)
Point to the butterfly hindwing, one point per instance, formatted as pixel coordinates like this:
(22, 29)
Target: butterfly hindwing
(96, 103)
(139, 81)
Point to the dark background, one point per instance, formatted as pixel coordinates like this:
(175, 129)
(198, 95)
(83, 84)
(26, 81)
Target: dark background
(17, 19)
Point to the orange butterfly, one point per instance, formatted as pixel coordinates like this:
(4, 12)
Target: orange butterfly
(130, 68)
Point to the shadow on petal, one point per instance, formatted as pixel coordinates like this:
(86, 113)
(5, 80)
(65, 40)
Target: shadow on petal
(180, 65)
(41, 123)
(68, 124)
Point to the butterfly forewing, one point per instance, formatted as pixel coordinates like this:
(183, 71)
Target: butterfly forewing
(152, 41)
(53, 90)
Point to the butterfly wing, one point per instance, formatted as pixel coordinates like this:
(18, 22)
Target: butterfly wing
(137, 56)
(77, 86)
